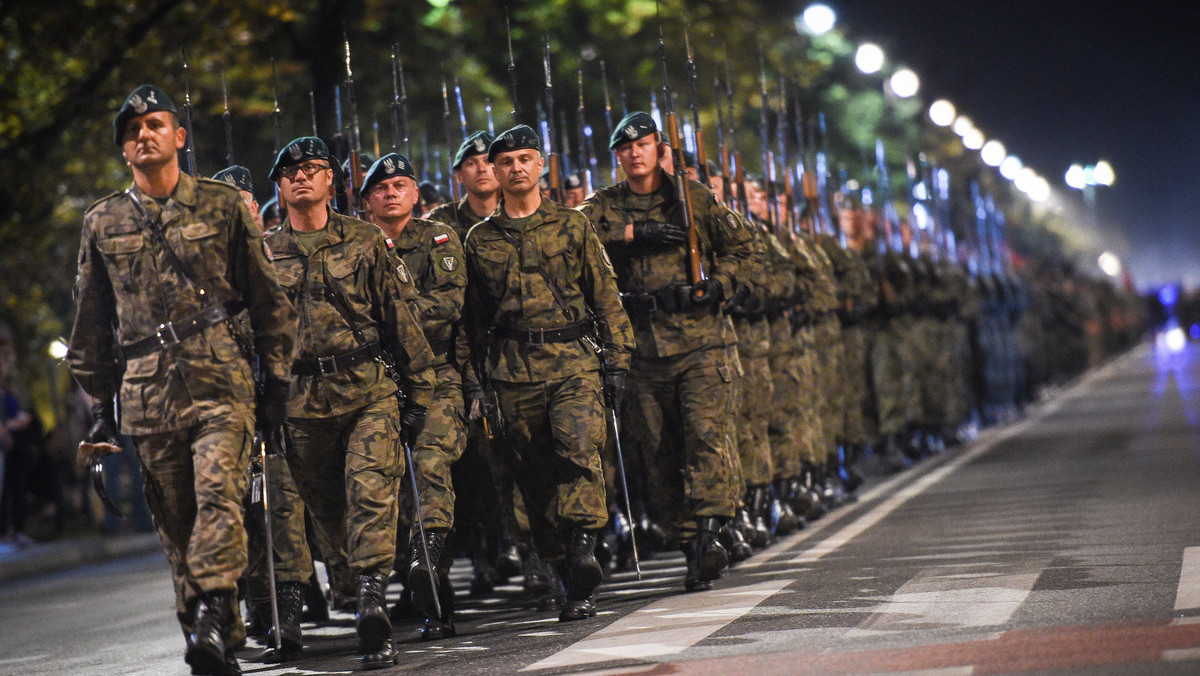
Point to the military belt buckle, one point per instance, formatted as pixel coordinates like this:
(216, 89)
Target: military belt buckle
(327, 366)
(163, 339)
(537, 337)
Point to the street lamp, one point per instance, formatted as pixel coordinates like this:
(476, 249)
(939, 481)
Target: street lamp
(817, 19)
(942, 113)
(1086, 178)
(904, 83)
(869, 58)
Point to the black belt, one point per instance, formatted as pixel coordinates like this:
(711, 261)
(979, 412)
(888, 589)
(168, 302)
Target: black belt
(565, 334)
(441, 347)
(171, 333)
(327, 366)
(671, 299)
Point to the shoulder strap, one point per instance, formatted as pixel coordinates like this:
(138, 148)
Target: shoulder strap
(555, 291)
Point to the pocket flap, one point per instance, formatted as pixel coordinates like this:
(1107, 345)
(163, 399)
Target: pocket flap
(122, 244)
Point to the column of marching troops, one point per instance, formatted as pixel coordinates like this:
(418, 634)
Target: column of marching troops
(420, 383)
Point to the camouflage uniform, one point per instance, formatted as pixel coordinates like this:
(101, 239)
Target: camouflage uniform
(188, 404)
(430, 254)
(754, 349)
(680, 386)
(546, 273)
(343, 421)
(786, 358)
(828, 354)
(895, 396)
(457, 215)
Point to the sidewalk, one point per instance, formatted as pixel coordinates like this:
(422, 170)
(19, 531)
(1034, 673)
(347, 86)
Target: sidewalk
(52, 557)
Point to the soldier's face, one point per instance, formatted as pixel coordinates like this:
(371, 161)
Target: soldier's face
(393, 198)
(574, 197)
(302, 190)
(518, 171)
(756, 198)
(153, 140)
(252, 204)
(477, 175)
(641, 157)
(717, 186)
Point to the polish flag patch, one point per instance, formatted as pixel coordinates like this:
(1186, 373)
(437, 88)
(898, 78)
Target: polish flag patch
(441, 239)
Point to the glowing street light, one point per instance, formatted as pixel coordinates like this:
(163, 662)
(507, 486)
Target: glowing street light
(904, 83)
(992, 153)
(817, 19)
(963, 125)
(1010, 167)
(973, 140)
(869, 58)
(1076, 177)
(1103, 174)
(57, 349)
(1110, 264)
(942, 113)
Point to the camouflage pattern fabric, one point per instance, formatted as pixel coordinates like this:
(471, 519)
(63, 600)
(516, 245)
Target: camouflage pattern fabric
(458, 216)
(757, 398)
(554, 431)
(348, 469)
(294, 558)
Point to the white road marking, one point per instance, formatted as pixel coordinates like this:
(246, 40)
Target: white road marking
(1187, 596)
(665, 627)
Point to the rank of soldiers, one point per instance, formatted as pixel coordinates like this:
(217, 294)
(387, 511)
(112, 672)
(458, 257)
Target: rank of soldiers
(552, 379)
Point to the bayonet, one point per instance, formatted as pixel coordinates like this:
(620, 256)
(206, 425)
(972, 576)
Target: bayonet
(552, 160)
(462, 114)
(512, 71)
(608, 123)
(355, 141)
(227, 119)
(189, 153)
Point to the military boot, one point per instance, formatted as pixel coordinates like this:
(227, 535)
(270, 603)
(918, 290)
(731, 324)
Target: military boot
(316, 606)
(731, 538)
(581, 574)
(784, 520)
(706, 558)
(372, 623)
(894, 459)
(508, 560)
(290, 642)
(207, 652)
(758, 507)
(438, 627)
(852, 479)
(258, 617)
(743, 522)
(422, 572)
(804, 495)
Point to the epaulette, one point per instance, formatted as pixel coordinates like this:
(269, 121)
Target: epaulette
(102, 200)
(200, 180)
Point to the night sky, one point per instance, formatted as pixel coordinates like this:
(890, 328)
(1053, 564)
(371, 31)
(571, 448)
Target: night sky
(1063, 83)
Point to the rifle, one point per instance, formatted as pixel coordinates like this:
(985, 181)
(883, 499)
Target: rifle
(448, 128)
(790, 207)
(722, 149)
(695, 267)
(891, 219)
(740, 173)
(487, 105)
(768, 158)
(189, 152)
(354, 142)
(399, 105)
(608, 123)
(275, 116)
(583, 133)
(227, 119)
(693, 104)
(462, 114)
(552, 159)
(826, 206)
(512, 71)
(312, 110)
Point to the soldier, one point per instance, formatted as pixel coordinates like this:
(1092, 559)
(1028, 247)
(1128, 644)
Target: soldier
(432, 196)
(546, 322)
(269, 216)
(357, 337)
(163, 266)
(475, 174)
(239, 177)
(430, 254)
(574, 190)
(681, 408)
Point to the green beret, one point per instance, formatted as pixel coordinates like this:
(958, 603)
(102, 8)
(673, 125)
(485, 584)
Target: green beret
(269, 209)
(298, 151)
(145, 99)
(520, 137)
(364, 160)
(237, 176)
(386, 167)
(574, 180)
(631, 128)
(431, 193)
(475, 144)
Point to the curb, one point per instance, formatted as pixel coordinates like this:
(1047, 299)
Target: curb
(54, 557)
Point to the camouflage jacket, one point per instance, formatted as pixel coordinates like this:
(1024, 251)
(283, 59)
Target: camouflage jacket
(431, 255)
(128, 287)
(458, 216)
(825, 290)
(352, 261)
(641, 268)
(509, 263)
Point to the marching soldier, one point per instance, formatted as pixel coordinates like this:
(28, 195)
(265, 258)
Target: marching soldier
(430, 254)
(681, 408)
(474, 172)
(546, 322)
(163, 267)
(345, 423)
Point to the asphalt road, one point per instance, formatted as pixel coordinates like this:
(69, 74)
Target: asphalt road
(1065, 543)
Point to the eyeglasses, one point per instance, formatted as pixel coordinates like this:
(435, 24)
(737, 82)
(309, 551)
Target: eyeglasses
(310, 169)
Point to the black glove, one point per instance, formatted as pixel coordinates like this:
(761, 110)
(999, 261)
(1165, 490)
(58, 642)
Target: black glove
(272, 405)
(104, 423)
(659, 232)
(412, 421)
(614, 387)
(742, 302)
(707, 293)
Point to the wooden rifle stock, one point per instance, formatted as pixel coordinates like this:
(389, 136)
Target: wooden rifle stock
(695, 268)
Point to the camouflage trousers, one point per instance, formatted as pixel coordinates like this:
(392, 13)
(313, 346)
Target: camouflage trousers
(754, 402)
(347, 469)
(958, 344)
(439, 446)
(554, 432)
(786, 415)
(895, 402)
(678, 415)
(854, 382)
(195, 480)
(293, 557)
(830, 387)
(931, 371)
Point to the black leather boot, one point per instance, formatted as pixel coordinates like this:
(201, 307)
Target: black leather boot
(508, 561)
(707, 559)
(207, 653)
(784, 520)
(316, 606)
(291, 644)
(581, 574)
(734, 542)
(258, 617)
(804, 493)
(758, 514)
(422, 573)
(535, 571)
(372, 623)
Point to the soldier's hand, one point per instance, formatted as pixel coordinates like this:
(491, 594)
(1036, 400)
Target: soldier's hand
(742, 301)
(412, 421)
(614, 387)
(102, 438)
(272, 405)
(708, 292)
(659, 232)
(476, 402)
